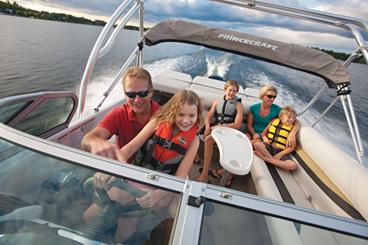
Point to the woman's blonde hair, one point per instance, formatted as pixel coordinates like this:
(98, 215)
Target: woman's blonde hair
(168, 112)
(265, 89)
(287, 110)
(231, 83)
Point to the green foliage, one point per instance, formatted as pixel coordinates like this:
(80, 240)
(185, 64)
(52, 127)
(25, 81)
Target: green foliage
(15, 9)
(342, 56)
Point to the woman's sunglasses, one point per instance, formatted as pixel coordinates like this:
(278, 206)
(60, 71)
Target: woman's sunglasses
(141, 94)
(271, 96)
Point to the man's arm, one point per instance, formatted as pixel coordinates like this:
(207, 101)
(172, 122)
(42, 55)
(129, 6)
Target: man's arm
(96, 142)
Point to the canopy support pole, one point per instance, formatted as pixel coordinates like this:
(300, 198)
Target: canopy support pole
(117, 77)
(141, 34)
(314, 99)
(343, 93)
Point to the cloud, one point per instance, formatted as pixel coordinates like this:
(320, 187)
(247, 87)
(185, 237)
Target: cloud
(219, 15)
(310, 39)
(354, 8)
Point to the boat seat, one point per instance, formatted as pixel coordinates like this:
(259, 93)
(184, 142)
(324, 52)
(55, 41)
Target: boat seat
(171, 81)
(207, 89)
(346, 173)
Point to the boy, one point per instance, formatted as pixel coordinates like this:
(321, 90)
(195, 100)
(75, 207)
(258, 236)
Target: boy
(273, 149)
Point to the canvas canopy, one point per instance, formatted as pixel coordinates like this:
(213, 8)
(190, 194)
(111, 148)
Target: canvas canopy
(302, 58)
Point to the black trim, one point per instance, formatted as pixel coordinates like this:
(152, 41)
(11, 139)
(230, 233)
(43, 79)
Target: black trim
(169, 145)
(196, 201)
(331, 194)
(285, 194)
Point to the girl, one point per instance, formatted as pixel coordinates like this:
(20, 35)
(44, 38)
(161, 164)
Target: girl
(175, 140)
(173, 147)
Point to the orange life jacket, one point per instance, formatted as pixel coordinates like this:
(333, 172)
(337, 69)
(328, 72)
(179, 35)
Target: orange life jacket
(164, 152)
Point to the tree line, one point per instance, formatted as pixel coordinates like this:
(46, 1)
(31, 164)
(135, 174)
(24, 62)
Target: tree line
(16, 9)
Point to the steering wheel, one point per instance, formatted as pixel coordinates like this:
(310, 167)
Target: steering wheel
(103, 226)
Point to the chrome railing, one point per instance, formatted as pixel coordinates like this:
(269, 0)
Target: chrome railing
(98, 51)
(354, 25)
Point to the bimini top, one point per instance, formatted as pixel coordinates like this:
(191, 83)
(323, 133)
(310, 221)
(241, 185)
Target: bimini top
(295, 56)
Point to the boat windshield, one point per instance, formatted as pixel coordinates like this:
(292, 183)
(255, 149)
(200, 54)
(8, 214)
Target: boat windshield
(43, 200)
(232, 225)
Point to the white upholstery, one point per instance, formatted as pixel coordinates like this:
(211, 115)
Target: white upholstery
(171, 81)
(216, 84)
(206, 94)
(346, 173)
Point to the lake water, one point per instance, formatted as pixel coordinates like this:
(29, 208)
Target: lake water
(43, 55)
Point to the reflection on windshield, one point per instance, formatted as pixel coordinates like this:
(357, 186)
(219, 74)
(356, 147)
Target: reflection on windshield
(44, 200)
(230, 225)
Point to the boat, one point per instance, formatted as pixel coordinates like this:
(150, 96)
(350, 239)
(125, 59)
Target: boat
(45, 176)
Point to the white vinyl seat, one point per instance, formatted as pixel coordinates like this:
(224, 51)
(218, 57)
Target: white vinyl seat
(171, 81)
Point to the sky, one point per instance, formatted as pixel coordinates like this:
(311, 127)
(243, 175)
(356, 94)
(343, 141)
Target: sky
(254, 22)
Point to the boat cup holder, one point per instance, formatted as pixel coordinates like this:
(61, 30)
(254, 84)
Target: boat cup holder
(236, 152)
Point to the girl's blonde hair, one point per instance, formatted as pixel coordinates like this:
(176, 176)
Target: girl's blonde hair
(286, 111)
(168, 112)
(231, 83)
(265, 89)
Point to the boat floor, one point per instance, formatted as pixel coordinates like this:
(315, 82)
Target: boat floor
(240, 183)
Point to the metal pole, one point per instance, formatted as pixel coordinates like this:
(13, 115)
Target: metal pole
(314, 99)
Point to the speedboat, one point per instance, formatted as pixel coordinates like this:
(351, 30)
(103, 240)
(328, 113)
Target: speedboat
(45, 176)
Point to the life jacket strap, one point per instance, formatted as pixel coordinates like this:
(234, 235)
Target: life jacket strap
(169, 144)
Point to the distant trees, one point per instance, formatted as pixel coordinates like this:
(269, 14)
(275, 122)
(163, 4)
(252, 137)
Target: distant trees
(341, 55)
(15, 9)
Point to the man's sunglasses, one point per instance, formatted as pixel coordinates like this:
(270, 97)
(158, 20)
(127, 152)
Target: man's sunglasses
(271, 96)
(141, 94)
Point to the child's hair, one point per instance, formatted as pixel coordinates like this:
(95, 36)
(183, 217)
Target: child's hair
(168, 112)
(265, 89)
(137, 72)
(231, 83)
(287, 110)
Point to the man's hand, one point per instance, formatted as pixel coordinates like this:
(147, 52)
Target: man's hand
(156, 199)
(104, 148)
(102, 180)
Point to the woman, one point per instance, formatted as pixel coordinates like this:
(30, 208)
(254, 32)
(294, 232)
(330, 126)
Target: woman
(261, 114)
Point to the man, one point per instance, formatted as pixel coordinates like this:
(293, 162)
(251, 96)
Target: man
(126, 120)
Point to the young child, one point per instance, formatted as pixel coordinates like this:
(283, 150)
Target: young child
(273, 149)
(227, 112)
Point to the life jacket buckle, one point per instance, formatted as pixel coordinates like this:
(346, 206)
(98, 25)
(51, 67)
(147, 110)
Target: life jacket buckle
(166, 144)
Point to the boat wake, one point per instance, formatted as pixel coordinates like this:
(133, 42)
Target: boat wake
(295, 88)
